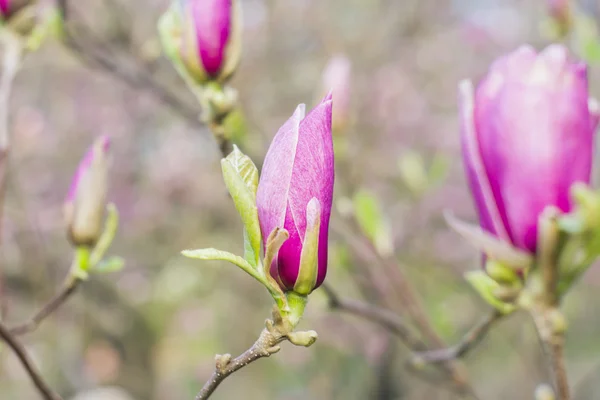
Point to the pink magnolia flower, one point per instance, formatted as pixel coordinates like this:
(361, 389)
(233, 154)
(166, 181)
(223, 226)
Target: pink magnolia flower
(527, 136)
(296, 189)
(211, 39)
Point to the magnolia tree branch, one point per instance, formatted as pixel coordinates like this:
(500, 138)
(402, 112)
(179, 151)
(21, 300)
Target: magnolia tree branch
(468, 342)
(43, 388)
(97, 55)
(365, 249)
(10, 66)
(69, 287)
(401, 329)
(265, 346)
(385, 318)
(276, 331)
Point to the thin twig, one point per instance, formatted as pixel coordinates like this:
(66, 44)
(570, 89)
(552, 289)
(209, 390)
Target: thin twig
(45, 391)
(265, 346)
(385, 318)
(468, 342)
(276, 331)
(398, 327)
(59, 299)
(96, 54)
(408, 297)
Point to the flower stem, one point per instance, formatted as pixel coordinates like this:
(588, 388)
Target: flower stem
(549, 324)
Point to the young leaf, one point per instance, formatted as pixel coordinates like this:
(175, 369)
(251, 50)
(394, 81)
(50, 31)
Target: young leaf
(241, 177)
(214, 254)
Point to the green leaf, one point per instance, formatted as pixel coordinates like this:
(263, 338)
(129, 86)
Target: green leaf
(486, 287)
(241, 178)
(214, 254)
(112, 264)
(371, 221)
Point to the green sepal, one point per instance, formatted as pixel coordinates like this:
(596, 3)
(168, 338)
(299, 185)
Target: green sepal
(241, 178)
(487, 289)
(214, 254)
(112, 264)
(309, 256)
(272, 246)
(170, 33)
(581, 236)
(81, 263)
(501, 273)
(111, 225)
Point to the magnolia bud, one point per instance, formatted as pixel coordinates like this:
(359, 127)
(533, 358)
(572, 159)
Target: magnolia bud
(211, 38)
(86, 201)
(295, 193)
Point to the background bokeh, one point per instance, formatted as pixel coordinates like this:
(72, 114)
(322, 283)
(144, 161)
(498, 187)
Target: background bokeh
(151, 330)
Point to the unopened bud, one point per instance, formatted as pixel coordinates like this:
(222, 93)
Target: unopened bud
(203, 37)
(86, 201)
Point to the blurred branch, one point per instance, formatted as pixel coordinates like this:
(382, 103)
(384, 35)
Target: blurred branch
(365, 249)
(69, 287)
(468, 342)
(385, 318)
(45, 391)
(97, 55)
(398, 327)
(10, 66)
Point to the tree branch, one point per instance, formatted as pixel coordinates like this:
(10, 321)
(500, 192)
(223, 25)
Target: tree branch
(69, 287)
(276, 331)
(95, 54)
(468, 342)
(385, 318)
(265, 346)
(402, 330)
(45, 391)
